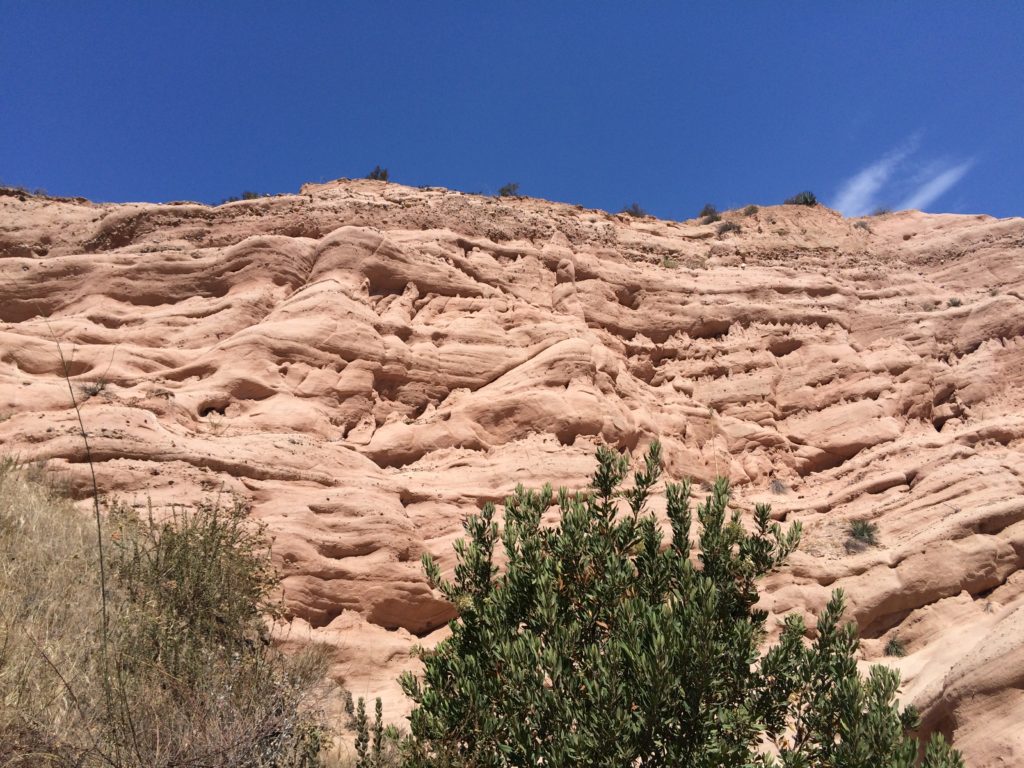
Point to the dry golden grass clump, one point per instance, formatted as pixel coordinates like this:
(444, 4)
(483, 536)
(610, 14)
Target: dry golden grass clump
(50, 671)
(185, 672)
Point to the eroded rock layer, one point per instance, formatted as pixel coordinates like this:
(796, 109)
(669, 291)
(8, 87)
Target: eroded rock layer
(366, 363)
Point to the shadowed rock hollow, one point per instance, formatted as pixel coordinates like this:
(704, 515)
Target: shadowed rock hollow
(366, 363)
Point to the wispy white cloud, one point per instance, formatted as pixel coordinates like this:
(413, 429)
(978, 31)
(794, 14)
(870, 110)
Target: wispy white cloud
(899, 175)
(936, 186)
(859, 194)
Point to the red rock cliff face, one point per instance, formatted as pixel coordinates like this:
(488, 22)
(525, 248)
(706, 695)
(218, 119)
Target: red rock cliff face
(366, 363)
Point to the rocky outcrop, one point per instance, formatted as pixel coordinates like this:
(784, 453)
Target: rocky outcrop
(366, 363)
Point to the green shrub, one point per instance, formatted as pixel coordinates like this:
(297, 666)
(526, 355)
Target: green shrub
(509, 190)
(378, 174)
(750, 210)
(634, 210)
(802, 198)
(864, 531)
(599, 645)
(246, 195)
(709, 214)
(954, 302)
(728, 226)
(895, 647)
(376, 746)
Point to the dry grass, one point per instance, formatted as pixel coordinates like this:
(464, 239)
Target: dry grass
(50, 672)
(188, 676)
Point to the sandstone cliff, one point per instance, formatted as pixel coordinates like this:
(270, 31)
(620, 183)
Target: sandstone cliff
(366, 363)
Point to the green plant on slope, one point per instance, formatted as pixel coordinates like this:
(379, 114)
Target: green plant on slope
(864, 531)
(599, 645)
(376, 746)
(895, 647)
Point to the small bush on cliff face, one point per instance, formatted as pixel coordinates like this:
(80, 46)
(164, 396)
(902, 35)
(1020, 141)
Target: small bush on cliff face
(378, 174)
(728, 226)
(634, 210)
(92, 388)
(247, 195)
(864, 531)
(709, 213)
(509, 190)
(599, 645)
(802, 198)
(895, 647)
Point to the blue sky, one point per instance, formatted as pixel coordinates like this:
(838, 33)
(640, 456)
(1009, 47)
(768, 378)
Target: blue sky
(672, 105)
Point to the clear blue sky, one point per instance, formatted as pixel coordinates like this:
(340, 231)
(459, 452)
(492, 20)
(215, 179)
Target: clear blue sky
(668, 104)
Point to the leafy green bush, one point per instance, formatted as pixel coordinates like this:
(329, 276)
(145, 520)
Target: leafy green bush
(378, 174)
(509, 190)
(750, 210)
(634, 210)
(802, 198)
(599, 645)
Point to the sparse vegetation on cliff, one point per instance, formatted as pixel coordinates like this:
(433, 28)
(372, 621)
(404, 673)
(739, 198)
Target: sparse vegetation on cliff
(864, 532)
(247, 195)
(802, 198)
(709, 214)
